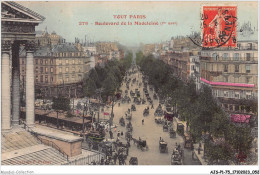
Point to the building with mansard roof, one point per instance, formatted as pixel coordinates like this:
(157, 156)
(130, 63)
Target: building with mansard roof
(233, 72)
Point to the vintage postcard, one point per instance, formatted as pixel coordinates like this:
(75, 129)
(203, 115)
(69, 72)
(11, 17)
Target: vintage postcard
(129, 83)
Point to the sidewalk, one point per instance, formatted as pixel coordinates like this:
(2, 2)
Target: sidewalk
(201, 155)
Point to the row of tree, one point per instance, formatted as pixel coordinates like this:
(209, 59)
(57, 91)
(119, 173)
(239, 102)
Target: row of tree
(202, 112)
(108, 77)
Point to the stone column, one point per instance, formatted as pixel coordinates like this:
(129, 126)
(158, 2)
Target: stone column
(30, 84)
(6, 86)
(16, 84)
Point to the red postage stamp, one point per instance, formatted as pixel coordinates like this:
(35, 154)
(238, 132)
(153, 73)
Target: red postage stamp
(219, 26)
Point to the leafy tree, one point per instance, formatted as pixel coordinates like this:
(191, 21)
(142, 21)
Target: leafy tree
(94, 76)
(218, 153)
(60, 103)
(89, 87)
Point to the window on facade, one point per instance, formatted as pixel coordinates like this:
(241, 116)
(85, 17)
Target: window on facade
(51, 61)
(248, 95)
(247, 79)
(225, 93)
(79, 76)
(67, 79)
(215, 56)
(249, 46)
(60, 70)
(36, 79)
(79, 70)
(36, 69)
(67, 69)
(215, 93)
(36, 61)
(51, 69)
(73, 69)
(236, 56)
(225, 56)
(236, 108)
(41, 69)
(46, 62)
(238, 46)
(247, 68)
(73, 61)
(51, 79)
(247, 56)
(237, 95)
(60, 54)
(41, 79)
(73, 54)
(67, 61)
(226, 106)
(231, 107)
(236, 68)
(41, 61)
(225, 68)
(46, 79)
(46, 69)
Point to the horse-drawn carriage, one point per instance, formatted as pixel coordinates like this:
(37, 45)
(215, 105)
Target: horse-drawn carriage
(159, 120)
(146, 112)
(141, 144)
(187, 140)
(180, 129)
(126, 99)
(137, 101)
(128, 116)
(122, 121)
(128, 135)
(133, 108)
(177, 156)
(165, 127)
(93, 139)
(158, 112)
(169, 116)
(172, 133)
(155, 96)
(133, 161)
(129, 127)
(163, 147)
(132, 93)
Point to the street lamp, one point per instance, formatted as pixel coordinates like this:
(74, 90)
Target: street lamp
(83, 125)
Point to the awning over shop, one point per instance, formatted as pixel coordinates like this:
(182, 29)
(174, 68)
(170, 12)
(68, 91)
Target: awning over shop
(240, 118)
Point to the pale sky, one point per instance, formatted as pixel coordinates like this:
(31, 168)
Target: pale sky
(63, 18)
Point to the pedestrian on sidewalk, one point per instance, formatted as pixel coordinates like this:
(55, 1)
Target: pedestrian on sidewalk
(127, 149)
(143, 122)
(111, 134)
(115, 158)
(152, 106)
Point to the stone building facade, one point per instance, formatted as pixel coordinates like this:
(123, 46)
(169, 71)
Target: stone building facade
(232, 72)
(59, 70)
